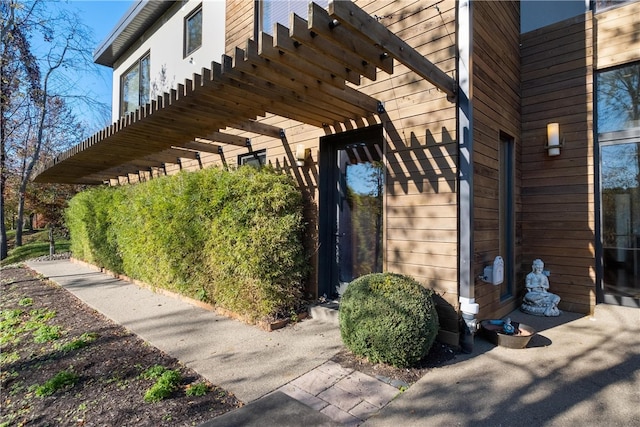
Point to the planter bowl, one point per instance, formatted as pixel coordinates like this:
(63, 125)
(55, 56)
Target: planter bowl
(492, 331)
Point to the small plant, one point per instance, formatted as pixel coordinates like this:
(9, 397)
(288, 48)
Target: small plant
(46, 333)
(25, 302)
(153, 373)
(78, 343)
(388, 318)
(61, 380)
(197, 389)
(166, 384)
(42, 315)
(6, 358)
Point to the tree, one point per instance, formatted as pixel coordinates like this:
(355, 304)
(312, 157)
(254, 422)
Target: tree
(39, 92)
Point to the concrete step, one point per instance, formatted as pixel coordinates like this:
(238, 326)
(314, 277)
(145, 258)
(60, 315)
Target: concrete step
(325, 312)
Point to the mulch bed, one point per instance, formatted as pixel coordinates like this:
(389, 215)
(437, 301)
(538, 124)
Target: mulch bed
(110, 390)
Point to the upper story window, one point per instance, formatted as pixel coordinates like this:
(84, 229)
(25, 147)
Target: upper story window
(271, 12)
(193, 31)
(618, 98)
(135, 86)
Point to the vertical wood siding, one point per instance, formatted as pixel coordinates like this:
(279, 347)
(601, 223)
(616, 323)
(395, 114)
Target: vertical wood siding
(558, 223)
(496, 109)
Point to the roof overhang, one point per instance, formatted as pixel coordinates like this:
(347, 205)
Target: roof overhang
(300, 73)
(136, 20)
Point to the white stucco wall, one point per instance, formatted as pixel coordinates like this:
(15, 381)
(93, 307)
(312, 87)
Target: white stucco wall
(164, 41)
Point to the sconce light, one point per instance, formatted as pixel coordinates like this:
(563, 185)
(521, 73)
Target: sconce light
(553, 139)
(302, 154)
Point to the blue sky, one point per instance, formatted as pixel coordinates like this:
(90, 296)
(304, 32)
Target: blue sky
(101, 16)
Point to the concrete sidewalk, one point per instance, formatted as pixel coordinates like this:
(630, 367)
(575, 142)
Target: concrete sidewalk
(578, 370)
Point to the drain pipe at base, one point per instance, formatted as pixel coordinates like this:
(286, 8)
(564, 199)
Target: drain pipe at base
(469, 308)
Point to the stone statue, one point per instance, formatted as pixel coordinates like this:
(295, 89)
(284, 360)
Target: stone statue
(538, 300)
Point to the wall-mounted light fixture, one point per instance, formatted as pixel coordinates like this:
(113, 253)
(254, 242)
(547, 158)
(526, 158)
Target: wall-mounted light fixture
(553, 139)
(302, 154)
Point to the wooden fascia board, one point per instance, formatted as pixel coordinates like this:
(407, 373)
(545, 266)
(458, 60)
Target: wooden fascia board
(348, 14)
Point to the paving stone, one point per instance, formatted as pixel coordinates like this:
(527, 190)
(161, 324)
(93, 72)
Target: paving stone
(373, 391)
(338, 415)
(315, 381)
(304, 397)
(364, 410)
(334, 369)
(340, 398)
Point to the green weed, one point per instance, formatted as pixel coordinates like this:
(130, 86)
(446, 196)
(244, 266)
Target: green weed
(46, 333)
(166, 384)
(25, 302)
(153, 373)
(78, 343)
(6, 358)
(61, 380)
(197, 389)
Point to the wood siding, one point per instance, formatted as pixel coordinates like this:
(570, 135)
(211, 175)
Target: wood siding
(496, 110)
(558, 219)
(616, 35)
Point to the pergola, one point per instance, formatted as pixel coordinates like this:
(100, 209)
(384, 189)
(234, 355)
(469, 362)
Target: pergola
(305, 73)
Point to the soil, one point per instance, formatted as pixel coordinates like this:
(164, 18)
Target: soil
(110, 388)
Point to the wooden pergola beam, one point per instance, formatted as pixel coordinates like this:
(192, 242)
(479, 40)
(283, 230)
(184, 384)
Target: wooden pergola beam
(259, 128)
(226, 138)
(350, 15)
(204, 146)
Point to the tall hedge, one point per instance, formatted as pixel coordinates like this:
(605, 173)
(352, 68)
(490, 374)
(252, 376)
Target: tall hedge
(232, 238)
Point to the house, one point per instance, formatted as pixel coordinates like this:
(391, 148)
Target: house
(428, 138)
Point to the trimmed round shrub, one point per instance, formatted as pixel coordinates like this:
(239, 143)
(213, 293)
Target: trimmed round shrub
(388, 318)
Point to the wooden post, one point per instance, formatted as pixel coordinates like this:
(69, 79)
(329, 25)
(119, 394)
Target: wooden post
(52, 245)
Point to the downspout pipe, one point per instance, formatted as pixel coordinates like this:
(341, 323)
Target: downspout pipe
(466, 277)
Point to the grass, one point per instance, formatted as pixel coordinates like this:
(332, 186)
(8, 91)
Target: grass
(34, 244)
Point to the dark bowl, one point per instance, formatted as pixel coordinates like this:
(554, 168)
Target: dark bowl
(493, 333)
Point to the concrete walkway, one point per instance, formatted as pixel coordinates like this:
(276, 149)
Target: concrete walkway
(578, 370)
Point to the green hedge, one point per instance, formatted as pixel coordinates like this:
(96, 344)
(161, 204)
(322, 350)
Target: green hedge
(231, 238)
(388, 318)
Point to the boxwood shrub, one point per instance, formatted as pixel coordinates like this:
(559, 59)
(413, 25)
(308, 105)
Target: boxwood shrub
(388, 318)
(231, 238)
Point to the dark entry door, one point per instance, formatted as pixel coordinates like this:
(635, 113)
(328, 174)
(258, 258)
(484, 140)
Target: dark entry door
(351, 208)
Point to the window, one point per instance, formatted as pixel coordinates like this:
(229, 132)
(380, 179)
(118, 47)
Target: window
(277, 11)
(618, 98)
(607, 4)
(193, 31)
(135, 86)
(255, 158)
(507, 213)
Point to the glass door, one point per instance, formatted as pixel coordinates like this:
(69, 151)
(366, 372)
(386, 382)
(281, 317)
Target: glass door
(351, 208)
(620, 191)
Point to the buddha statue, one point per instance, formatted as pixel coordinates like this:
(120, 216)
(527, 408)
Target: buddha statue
(538, 300)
